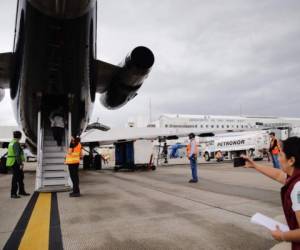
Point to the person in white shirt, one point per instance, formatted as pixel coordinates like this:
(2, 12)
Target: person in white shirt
(57, 125)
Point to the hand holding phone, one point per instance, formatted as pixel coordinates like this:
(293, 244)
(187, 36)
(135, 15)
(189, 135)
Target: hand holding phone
(239, 162)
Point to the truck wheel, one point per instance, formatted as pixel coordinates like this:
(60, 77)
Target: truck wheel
(206, 156)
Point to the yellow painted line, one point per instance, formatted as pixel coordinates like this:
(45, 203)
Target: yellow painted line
(37, 232)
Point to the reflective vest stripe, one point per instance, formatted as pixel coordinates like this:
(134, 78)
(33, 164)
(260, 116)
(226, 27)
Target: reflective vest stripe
(73, 155)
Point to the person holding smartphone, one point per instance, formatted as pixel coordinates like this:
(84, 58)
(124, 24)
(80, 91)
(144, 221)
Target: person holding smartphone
(289, 176)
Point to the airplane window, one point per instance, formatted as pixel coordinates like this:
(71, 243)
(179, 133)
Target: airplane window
(206, 126)
(222, 126)
(212, 126)
(217, 126)
(227, 126)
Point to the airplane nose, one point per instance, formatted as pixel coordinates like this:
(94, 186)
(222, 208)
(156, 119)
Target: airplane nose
(63, 8)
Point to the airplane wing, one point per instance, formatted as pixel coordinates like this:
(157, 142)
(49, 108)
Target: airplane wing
(6, 134)
(130, 134)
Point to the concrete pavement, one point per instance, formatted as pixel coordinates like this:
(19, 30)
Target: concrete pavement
(159, 209)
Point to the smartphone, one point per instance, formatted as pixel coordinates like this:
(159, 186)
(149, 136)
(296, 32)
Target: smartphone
(239, 162)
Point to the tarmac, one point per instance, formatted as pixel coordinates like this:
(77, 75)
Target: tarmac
(157, 209)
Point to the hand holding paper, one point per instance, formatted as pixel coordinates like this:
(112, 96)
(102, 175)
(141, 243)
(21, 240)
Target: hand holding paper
(268, 222)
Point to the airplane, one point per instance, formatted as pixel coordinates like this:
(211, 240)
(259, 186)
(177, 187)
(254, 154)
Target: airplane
(53, 64)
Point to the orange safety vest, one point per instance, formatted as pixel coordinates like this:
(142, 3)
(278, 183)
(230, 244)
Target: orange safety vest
(73, 155)
(188, 149)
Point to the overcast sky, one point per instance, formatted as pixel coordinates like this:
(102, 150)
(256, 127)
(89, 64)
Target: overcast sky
(212, 56)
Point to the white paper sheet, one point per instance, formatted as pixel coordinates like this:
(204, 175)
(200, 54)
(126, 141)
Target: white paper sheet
(268, 222)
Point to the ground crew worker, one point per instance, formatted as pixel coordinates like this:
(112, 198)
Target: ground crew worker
(289, 176)
(219, 156)
(192, 152)
(165, 152)
(15, 159)
(274, 150)
(72, 160)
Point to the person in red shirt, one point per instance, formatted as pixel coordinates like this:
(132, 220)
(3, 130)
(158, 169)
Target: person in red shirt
(274, 150)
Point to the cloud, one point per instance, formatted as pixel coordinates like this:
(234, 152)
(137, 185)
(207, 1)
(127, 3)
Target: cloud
(212, 57)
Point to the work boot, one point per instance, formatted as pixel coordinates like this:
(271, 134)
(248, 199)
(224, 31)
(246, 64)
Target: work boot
(24, 194)
(14, 196)
(74, 194)
(193, 181)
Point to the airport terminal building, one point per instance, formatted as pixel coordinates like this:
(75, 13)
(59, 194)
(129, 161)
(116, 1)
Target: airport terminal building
(215, 122)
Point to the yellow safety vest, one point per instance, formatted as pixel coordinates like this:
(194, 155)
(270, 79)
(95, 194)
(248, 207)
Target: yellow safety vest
(73, 155)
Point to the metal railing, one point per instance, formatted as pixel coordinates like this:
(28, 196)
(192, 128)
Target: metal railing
(40, 136)
(68, 140)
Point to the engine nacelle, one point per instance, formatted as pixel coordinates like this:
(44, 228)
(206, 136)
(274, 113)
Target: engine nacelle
(2, 94)
(128, 78)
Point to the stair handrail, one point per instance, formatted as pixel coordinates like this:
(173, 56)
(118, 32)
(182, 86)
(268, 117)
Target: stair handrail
(40, 135)
(68, 140)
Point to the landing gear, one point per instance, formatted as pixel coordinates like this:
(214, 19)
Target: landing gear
(86, 162)
(97, 164)
(90, 161)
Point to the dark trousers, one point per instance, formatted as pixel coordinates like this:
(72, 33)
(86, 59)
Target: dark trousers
(17, 181)
(58, 135)
(73, 169)
(193, 163)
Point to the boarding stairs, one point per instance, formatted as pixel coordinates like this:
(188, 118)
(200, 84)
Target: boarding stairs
(52, 174)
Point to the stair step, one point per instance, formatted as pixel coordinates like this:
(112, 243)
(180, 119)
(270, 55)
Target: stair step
(50, 143)
(48, 137)
(54, 182)
(53, 160)
(54, 155)
(55, 174)
(54, 167)
(55, 188)
(53, 149)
